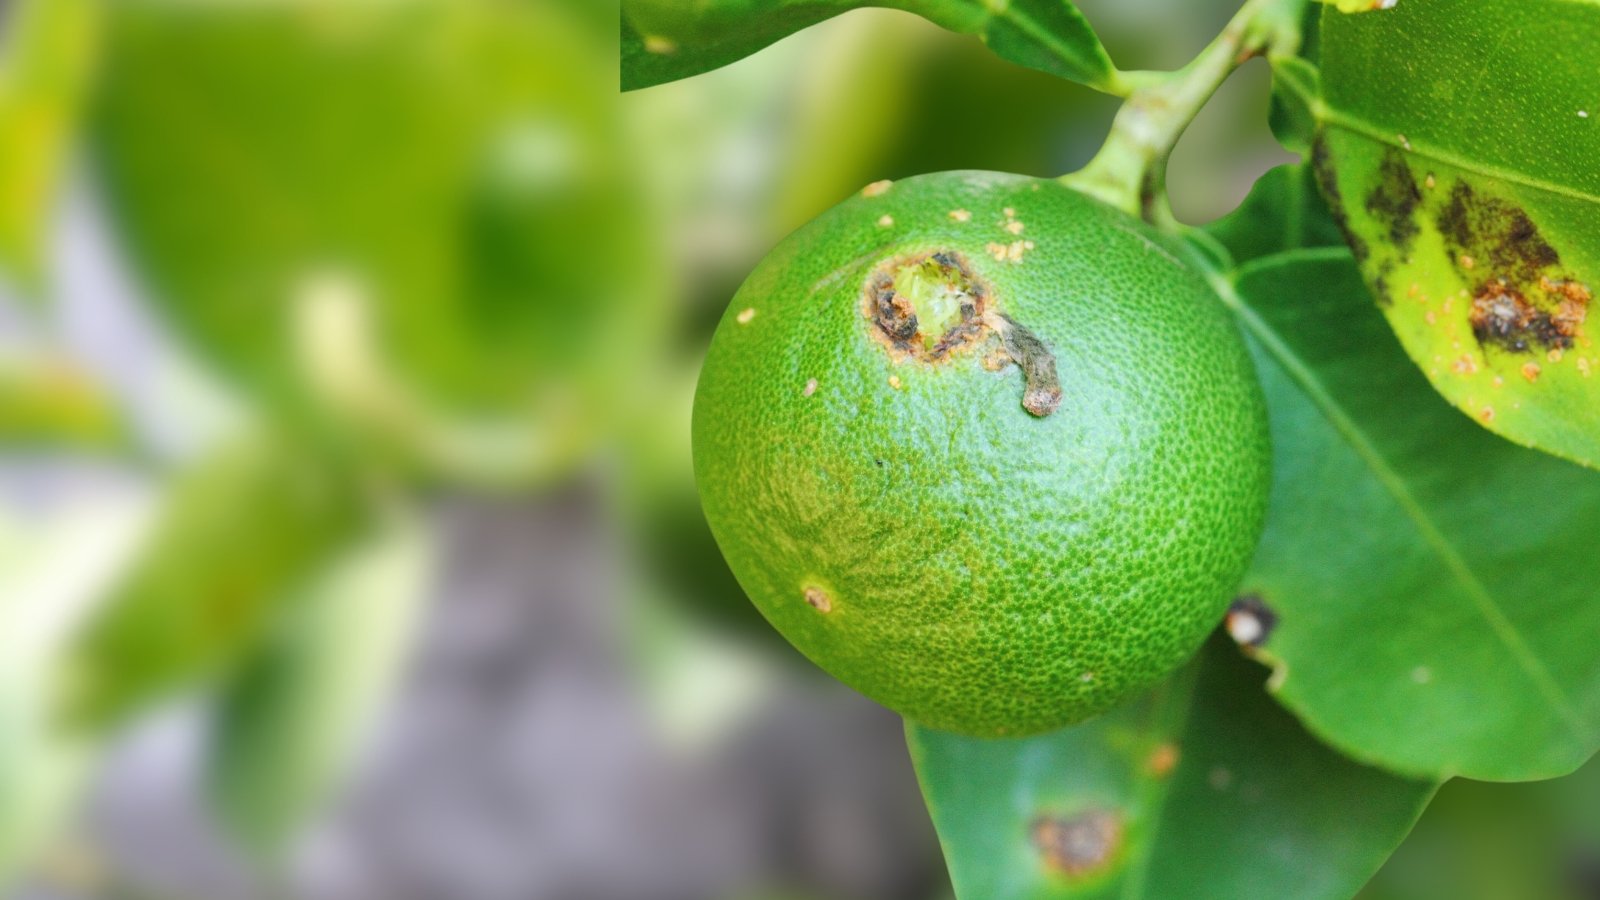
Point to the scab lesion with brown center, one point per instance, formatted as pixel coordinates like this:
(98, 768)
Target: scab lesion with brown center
(1081, 845)
(1523, 299)
(931, 307)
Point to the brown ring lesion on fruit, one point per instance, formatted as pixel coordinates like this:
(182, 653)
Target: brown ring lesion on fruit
(931, 307)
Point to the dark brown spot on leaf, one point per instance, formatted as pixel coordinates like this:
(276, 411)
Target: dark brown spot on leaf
(1393, 201)
(1251, 621)
(1081, 845)
(1494, 233)
(1328, 182)
(1503, 317)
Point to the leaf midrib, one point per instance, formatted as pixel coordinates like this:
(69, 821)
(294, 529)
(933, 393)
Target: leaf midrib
(1393, 482)
(1328, 115)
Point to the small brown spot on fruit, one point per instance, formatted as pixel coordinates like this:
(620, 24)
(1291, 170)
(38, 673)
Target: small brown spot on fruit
(1014, 226)
(818, 599)
(894, 382)
(1041, 394)
(1467, 262)
(810, 388)
(1530, 371)
(1080, 845)
(745, 315)
(1486, 414)
(1250, 621)
(1429, 182)
(960, 215)
(877, 188)
(1162, 760)
(886, 221)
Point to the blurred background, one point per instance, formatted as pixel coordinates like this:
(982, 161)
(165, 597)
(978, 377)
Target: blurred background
(349, 546)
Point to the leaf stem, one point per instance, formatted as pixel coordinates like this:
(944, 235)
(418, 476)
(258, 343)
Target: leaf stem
(1129, 172)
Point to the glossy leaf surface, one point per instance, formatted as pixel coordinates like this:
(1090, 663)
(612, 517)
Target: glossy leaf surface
(664, 40)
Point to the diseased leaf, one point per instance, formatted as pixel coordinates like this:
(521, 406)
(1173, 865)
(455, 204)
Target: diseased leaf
(1459, 140)
(1204, 789)
(665, 40)
(1428, 595)
(46, 61)
(239, 534)
(288, 724)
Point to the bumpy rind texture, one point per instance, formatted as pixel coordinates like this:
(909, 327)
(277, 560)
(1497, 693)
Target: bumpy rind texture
(979, 569)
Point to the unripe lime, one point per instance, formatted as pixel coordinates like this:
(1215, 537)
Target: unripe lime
(983, 448)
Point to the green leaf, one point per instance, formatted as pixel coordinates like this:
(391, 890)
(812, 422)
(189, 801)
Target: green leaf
(665, 40)
(238, 535)
(48, 401)
(1481, 841)
(1282, 212)
(1292, 118)
(1204, 789)
(56, 566)
(1422, 572)
(417, 220)
(288, 724)
(1459, 139)
(46, 63)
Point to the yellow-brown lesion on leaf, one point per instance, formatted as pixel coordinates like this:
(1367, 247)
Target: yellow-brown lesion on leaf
(1079, 846)
(1523, 299)
(1505, 317)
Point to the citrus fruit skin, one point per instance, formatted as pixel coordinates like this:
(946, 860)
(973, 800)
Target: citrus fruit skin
(893, 509)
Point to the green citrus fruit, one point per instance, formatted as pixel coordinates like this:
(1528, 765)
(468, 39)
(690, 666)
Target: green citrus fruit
(984, 448)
